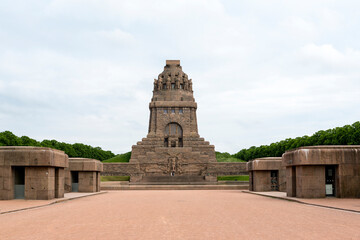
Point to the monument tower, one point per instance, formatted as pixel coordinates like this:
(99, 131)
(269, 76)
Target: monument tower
(173, 150)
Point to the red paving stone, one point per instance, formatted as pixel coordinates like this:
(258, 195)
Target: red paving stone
(179, 215)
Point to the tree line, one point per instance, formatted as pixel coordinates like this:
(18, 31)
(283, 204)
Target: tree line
(7, 138)
(346, 135)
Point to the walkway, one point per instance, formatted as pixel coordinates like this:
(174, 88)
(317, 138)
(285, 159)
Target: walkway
(187, 214)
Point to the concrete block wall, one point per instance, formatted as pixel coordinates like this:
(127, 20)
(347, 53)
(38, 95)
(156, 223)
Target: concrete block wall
(310, 181)
(43, 171)
(39, 183)
(87, 182)
(6, 183)
(305, 171)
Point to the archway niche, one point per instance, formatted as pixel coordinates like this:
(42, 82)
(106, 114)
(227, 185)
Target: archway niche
(173, 135)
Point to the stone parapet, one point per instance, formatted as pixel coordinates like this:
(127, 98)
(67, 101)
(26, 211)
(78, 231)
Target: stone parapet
(32, 156)
(85, 164)
(319, 155)
(268, 163)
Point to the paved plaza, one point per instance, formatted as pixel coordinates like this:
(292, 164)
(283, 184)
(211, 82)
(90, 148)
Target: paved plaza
(187, 214)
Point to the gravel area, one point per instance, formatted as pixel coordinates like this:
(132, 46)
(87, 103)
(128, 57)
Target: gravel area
(183, 214)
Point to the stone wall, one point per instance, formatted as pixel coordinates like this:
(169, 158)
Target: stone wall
(40, 183)
(137, 170)
(305, 168)
(43, 172)
(260, 174)
(88, 174)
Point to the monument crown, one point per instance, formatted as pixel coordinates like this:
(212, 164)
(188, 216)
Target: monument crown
(172, 78)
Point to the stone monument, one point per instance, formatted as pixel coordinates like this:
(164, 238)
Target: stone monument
(173, 150)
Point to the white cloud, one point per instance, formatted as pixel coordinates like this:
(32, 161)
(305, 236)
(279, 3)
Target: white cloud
(83, 70)
(116, 35)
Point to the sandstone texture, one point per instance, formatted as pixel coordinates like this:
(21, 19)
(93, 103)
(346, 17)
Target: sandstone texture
(266, 174)
(172, 149)
(87, 172)
(32, 172)
(318, 171)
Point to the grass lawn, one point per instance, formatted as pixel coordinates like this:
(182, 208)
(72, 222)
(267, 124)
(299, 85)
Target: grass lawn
(114, 178)
(125, 157)
(233, 178)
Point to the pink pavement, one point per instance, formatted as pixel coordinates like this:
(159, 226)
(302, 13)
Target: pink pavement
(203, 214)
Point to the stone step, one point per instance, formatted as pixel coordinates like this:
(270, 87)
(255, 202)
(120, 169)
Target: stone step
(114, 183)
(177, 187)
(170, 179)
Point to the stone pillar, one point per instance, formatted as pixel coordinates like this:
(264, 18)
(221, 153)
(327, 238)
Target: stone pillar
(348, 180)
(310, 181)
(261, 181)
(6, 183)
(59, 182)
(98, 184)
(290, 181)
(39, 183)
(87, 181)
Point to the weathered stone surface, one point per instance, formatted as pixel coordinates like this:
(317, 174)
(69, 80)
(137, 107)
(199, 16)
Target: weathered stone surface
(209, 169)
(305, 170)
(173, 145)
(43, 172)
(260, 178)
(88, 174)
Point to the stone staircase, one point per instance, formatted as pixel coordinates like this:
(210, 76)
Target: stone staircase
(122, 185)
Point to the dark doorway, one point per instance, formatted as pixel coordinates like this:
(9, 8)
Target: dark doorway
(74, 181)
(274, 180)
(180, 142)
(19, 182)
(330, 180)
(56, 187)
(166, 142)
(293, 181)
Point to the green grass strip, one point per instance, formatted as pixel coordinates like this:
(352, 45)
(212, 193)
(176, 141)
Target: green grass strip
(233, 178)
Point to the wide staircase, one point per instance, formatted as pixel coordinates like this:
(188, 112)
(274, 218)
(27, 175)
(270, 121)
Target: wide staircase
(221, 185)
(172, 179)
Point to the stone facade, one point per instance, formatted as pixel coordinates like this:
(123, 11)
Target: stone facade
(318, 171)
(212, 169)
(266, 174)
(173, 146)
(32, 173)
(83, 175)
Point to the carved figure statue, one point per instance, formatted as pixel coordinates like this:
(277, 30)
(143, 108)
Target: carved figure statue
(160, 83)
(186, 84)
(190, 85)
(155, 85)
(168, 83)
(177, 83)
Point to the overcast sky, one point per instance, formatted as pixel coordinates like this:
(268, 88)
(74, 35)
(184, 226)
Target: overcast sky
(263, 71)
